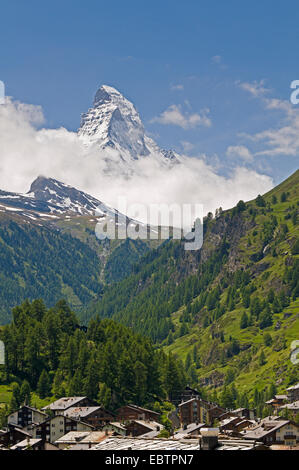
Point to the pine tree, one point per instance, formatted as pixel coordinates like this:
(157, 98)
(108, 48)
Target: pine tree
(91, 385)
(25, 393)
(104, 396)
(76, 384)
(262, 359)
(260, 201)
(15, 400)
(188, 362)
(272, 391)
(266, 318)
(244, 321)
(58, 388)
(170, 338)
(267, 339)
(43, 386)
(276, 305)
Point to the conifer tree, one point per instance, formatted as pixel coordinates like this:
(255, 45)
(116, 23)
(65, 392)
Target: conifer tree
(43, 386)
(25, 393)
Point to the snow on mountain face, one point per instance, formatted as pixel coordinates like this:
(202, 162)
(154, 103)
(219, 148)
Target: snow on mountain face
(49, 198)
(62, 197)
(113, 125)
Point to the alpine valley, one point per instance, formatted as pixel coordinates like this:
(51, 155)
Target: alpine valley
(229, 311)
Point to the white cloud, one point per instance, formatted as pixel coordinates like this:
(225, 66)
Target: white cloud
(282, 139)
(173, 115)
(255, 88)
(239, 151)
(186, 146)
(27, 152)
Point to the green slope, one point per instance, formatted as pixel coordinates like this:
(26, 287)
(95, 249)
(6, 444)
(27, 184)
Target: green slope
(192, 302)
(58, 258)
(40, 262)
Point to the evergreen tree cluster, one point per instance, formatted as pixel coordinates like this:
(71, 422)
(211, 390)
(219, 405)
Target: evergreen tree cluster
(47, 352)
(38, 262)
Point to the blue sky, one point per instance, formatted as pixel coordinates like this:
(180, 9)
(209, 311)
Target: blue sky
(209, 77)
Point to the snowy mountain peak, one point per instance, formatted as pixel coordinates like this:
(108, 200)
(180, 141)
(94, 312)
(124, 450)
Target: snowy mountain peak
(62, 196)
(113, 125)
(105, 94)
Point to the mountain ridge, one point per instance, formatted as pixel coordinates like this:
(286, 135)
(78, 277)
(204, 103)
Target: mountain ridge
(113, 126)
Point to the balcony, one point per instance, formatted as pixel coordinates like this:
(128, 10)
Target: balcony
(289, 436)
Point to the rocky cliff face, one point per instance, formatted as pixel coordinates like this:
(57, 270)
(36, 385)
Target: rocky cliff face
(113, 127)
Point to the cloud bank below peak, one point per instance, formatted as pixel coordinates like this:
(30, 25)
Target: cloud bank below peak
(27, 151)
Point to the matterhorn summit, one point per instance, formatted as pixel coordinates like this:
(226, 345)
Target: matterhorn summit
(113, 128)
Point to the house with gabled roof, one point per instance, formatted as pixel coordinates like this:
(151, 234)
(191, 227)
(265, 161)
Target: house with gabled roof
(97, 416)
(81, 440)
(292, 408)
(13, 435)
(62, 404)
(26, 416)
(293, 393)
(273, 430)
(57, 426)
(130, 412)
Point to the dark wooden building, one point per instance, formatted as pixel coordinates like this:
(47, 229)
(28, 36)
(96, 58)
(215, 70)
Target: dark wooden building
(97, 416)
(130, 412)
(13, 435)
(26, 416)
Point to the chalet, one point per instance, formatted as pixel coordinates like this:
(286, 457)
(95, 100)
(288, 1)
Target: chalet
(199, 410)
(71, 438)
(190, 430)
(229, 424)
(186, 395)
(131, 412)
(235, 424)
(81, 440)
(62, 404)
(276, 402)
(214, 413)
(190, 412)
(33, 444)
(26, 416)
(117, 429)
(56, 427)
(293, 393)
(272, 430)
(244, 424)
(245, 412)
(143, 428)
(13, 435)
(292, 408)
(97, 416)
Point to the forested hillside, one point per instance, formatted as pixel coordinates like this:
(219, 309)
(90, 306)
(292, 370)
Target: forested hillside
(58, 258)
(231, 309)
(42, 262)
(47, 350)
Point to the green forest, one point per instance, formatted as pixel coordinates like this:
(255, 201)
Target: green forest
(47, 352)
